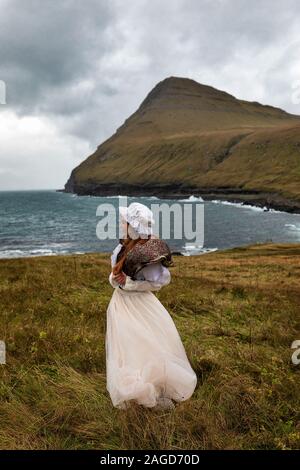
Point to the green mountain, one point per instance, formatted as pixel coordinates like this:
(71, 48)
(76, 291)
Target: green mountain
(188, 138)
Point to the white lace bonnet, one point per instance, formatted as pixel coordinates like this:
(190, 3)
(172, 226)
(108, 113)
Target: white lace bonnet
(139, 217)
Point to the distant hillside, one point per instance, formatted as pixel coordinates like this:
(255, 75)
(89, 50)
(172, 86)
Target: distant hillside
(188, 138)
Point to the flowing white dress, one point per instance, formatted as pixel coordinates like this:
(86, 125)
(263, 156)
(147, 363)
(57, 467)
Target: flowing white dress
(145, 358)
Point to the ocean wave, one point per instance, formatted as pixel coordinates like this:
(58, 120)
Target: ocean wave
(241, 205)
(192, 199)
(30, 253)
(295, 228)
(276, 211)
(189, 249)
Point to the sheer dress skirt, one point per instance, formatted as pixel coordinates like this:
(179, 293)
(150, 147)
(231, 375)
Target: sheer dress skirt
(145, 358)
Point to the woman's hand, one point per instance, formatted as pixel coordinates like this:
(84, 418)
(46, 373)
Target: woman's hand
(120, 278)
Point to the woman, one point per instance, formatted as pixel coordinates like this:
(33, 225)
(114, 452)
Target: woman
(145, 358)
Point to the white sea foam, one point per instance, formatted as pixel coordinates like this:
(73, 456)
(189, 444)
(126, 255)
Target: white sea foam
(146, 197)
(241, 205)
(295, 228)
(276, 211)
(192, 199)
(189, 249)
(4, 254)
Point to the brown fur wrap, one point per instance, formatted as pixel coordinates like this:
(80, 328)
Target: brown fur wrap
(142, 254)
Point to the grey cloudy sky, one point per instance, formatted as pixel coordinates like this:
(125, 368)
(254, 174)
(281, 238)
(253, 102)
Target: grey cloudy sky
(75, 70)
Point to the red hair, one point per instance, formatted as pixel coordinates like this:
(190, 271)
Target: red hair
(128, 243)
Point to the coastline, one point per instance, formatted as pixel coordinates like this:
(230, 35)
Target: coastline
(284, 226)
(256, 198)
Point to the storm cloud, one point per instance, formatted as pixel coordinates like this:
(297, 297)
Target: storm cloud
(74, 70)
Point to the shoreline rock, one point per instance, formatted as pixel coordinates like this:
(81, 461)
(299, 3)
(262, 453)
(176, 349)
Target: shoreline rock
(176, 191)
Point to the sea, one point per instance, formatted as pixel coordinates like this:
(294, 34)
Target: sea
(48, 222)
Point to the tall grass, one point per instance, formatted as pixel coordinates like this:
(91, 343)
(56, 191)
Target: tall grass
(237, 312)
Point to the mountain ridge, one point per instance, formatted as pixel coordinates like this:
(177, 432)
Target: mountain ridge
(193, 138)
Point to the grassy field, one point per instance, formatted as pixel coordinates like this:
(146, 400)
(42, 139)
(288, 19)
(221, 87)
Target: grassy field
(237, 311)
